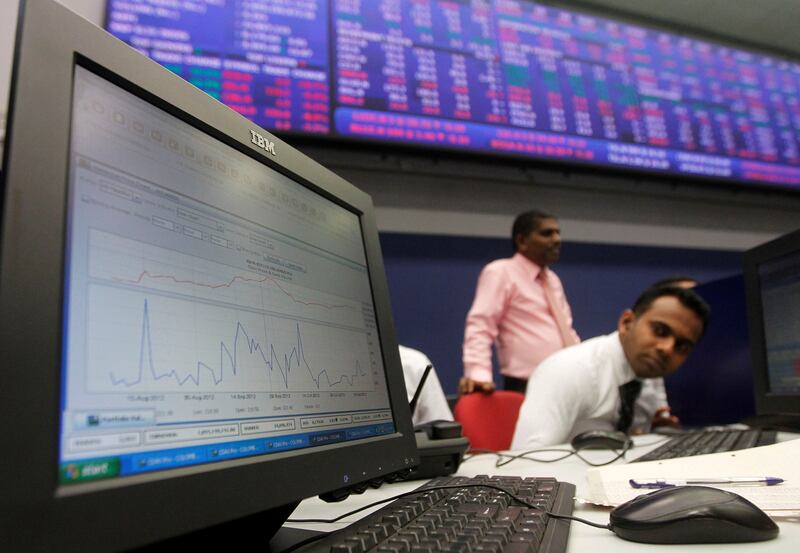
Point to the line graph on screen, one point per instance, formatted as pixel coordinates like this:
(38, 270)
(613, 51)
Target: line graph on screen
(162, 321)
(161, 344)
(130, 263)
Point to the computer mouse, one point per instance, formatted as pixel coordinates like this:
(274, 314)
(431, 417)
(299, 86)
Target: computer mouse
(691, 514)
(601, 439)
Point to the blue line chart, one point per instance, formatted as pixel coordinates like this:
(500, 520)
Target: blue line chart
(293, 361)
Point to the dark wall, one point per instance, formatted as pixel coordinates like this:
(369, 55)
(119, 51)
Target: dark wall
(432, 282)
(715, 385)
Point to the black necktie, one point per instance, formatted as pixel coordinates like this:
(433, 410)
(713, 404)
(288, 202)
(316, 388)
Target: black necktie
(628, 393)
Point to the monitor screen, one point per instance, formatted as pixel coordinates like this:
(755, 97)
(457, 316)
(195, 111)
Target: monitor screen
(511, 77)
(772, 285)
(780, 296)
(214, 308)
(196, 324)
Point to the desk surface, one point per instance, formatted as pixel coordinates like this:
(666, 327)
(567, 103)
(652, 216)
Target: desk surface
(582, 537)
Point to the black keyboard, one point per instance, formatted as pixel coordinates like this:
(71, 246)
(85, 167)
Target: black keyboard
(709, 441)
(464, 519)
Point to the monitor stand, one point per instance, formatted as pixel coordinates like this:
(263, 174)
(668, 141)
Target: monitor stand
(786, 422)
(259, 532)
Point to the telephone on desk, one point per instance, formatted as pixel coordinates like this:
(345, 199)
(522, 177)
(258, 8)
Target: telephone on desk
(439, 443)
(440, 446)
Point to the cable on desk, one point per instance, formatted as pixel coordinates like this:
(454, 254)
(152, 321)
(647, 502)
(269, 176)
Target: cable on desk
(506, 458)
(473, 453)
(457, 487)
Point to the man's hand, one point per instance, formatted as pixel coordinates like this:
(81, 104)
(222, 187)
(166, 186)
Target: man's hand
(664, 417)
(468, 386)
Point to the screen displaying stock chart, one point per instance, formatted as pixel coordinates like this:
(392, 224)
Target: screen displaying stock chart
(509, 77)
(214, 308)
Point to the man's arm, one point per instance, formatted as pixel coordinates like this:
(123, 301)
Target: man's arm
(561, 297)
(653, 402)
(570, 322)
(468, 386)
(481, 330)
(553, 404)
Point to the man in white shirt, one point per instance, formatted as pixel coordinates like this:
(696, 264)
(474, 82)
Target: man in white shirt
(432, 403)
(578, 388)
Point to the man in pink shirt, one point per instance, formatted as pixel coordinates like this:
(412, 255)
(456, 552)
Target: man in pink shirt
(520, 307)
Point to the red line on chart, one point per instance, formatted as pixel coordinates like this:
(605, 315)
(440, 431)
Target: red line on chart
(147, 274)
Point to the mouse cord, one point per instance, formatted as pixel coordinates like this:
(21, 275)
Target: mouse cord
(506, 458)
(472, 453)
(457, 487)
(620, 454)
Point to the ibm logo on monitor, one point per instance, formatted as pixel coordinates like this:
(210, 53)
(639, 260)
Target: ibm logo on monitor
(263, 143)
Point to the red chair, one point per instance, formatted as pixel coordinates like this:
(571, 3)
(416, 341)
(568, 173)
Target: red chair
(488, 420)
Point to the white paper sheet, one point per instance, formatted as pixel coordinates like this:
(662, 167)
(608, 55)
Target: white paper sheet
(610, 485)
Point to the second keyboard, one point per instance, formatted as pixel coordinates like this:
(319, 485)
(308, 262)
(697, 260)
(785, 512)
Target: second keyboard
(709, 441)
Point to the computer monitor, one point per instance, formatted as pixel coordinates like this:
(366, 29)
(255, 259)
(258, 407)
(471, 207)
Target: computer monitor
(772, 284)
(196, 326)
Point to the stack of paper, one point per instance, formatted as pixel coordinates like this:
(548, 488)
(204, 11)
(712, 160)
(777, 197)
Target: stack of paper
(611, 485)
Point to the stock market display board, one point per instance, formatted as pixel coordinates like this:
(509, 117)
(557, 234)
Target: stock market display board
(507, 77)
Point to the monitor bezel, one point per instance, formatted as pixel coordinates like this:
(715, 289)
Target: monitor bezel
(767, 402)
(51, 40)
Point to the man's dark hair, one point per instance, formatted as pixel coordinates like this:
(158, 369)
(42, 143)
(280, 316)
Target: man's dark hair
(671, 281)
(688, 298)
(527, 222)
